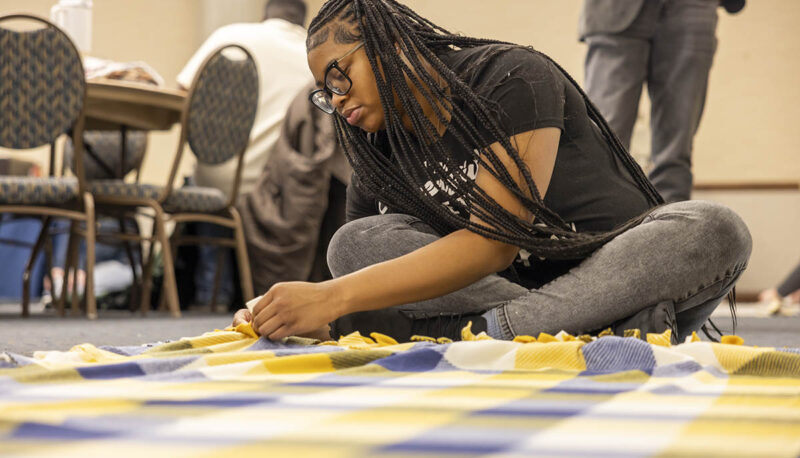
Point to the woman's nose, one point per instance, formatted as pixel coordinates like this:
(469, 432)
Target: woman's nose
(338, 101)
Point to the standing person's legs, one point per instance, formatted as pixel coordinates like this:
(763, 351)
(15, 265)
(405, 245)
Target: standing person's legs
(791, 283)
(616, 69)
(681, 56)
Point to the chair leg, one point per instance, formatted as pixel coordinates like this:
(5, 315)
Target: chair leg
(163, 297)
(129, 251)
(140, 248)
(76, 267)
(48, 261)
(68, 265)
(91, 303)
(170, 287)
(162, 300)
(147, 276)
(75, 306)
(26, 275)
(221, 251)
(245, 276)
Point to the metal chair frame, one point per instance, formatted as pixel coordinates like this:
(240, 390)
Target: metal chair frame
(227, 217)
(80, 210)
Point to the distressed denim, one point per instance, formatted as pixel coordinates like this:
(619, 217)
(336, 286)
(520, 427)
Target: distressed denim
(688, 254)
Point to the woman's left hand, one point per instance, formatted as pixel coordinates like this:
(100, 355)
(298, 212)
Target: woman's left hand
(296, 308)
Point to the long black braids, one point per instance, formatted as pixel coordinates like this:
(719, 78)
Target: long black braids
(419, 152)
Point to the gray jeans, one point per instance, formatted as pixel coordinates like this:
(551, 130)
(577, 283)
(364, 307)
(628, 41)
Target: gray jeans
(689, 254)
(670, 47)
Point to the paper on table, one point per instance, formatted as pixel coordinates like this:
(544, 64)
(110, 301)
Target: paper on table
(130, 71)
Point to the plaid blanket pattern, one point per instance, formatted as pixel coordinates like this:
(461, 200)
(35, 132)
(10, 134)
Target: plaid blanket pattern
(229, 393)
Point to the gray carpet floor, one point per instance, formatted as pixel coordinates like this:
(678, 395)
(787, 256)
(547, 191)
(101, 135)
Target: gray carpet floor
(46, 332)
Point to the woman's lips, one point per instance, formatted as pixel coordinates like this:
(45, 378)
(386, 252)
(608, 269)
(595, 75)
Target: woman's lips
(353, 115)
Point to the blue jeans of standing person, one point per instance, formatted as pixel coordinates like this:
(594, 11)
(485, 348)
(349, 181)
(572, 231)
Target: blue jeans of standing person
(670, 47)
(687, 255)
(207, 267)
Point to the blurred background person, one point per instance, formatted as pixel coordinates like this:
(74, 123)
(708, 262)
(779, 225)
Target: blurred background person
(785, 297)
(669, 45)
(278, 46)
(299, 201)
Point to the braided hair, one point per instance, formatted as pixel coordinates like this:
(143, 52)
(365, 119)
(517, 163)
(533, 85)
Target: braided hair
(419, 151)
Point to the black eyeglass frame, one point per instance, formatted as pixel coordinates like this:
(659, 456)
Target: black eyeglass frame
(326, 91)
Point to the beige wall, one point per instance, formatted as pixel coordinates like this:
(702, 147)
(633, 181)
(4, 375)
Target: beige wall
(215, 13)
(748, 131)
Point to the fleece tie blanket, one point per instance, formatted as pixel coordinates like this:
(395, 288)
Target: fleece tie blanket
(229, 393)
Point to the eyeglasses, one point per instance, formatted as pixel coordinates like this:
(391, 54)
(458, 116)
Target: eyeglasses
(336, 82)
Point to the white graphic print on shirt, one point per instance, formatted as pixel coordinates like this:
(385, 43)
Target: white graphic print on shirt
(445, 192)
(457, 205)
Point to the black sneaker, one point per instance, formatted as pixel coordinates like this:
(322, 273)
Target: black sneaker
(447, 325)
(655, 319)
(390, 322)
(403, 324)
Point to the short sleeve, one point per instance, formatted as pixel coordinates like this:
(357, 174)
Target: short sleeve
(523, 90)
(358, 203)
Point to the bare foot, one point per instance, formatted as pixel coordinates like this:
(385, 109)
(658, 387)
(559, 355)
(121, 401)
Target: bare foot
(771, 300)
(769, 295)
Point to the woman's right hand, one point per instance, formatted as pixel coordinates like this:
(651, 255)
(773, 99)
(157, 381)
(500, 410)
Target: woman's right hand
(242, 316)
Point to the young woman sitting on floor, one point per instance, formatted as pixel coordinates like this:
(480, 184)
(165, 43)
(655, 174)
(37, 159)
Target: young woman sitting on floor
(487, 188)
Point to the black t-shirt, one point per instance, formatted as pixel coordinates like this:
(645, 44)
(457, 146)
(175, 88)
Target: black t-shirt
(590, 188)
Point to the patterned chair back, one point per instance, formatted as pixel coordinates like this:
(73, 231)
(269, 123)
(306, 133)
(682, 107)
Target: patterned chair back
(42, 85)
(103, 152)
(222, 106)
